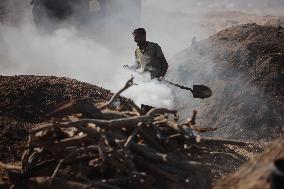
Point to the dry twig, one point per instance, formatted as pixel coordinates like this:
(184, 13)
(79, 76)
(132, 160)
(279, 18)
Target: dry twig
(128, 84)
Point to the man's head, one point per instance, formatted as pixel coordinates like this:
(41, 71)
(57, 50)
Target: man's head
(139, 35)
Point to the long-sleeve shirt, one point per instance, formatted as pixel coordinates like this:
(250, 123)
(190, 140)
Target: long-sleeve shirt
(151, 59)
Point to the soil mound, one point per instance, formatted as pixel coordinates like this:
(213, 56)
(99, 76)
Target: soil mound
(24, 100)
(27, 98)
(244, 67)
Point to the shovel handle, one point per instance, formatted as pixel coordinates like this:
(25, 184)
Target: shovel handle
(179, 86)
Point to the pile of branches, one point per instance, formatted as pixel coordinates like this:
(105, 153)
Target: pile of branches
(83, 145)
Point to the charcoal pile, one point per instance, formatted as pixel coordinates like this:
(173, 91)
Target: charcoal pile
(243, 65)
(28, 98)
(116, 144)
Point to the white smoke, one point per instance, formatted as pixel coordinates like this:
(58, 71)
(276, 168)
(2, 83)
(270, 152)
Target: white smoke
(97, 56)
(70, 53)
(150, 92)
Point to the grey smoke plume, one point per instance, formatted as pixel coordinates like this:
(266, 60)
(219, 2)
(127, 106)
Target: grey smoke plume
(96, 54)
(76, 53)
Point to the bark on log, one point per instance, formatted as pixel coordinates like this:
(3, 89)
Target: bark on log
(158, 111)
(10, 167)
(110, 115)
(150, 140)
(148, 153)
(134, 106)
(102, 123)
(155, 170)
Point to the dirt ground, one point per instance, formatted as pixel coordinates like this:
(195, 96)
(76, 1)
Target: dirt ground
(255, 173)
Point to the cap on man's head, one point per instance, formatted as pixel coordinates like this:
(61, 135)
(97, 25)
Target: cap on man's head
(139, 31)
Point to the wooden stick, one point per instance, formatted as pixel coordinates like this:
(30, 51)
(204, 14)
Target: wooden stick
(74, 141)
(102, 123)
(55, 171)
(186, 131)
(120, 181)
(173, 125)
(199, 129)
(88, 109)
(128, 84)
(192, 121)
(109, 115)
(148, 153)
(84, 106)
(10, 167)
(101, 149)
(150, 140)
(43, 164)
(61, 108)
(134, 106)
(128, 158)
(131, 138)
(92, 148)
(156, 111)
(113, 123)
(154, 169)
(41, 127)
(57, 147)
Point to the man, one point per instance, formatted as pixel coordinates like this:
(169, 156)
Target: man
(149, 56)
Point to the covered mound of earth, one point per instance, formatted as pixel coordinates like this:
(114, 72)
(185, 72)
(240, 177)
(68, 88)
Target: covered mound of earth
(29, 97)
(244, 67)
(24, 100)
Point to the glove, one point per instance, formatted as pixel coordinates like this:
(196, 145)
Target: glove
(161, 78)
(126, 66)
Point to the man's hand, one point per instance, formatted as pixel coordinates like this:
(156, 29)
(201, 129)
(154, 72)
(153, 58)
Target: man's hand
(126, 66)
(161, 78)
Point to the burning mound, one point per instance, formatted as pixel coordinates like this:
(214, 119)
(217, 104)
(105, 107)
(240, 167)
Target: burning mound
(243, 65)
(28, 98)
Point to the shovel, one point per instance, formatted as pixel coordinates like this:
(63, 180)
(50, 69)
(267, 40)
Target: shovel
(198, 91)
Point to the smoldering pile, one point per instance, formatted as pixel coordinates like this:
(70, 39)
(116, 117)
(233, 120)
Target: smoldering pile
(243, 65)
(118, 145)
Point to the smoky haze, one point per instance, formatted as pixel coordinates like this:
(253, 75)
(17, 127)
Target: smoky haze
(96, 53)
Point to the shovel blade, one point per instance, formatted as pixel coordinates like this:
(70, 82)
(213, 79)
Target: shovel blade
(201, 91)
